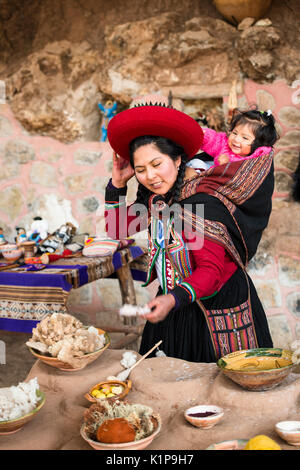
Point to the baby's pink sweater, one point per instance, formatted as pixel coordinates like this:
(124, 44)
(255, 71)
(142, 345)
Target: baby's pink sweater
(216, 144)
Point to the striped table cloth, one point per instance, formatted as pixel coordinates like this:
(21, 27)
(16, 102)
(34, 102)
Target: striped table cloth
(30, 292)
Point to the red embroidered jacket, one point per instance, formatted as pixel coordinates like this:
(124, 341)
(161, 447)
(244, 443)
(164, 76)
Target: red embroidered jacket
(211, 265)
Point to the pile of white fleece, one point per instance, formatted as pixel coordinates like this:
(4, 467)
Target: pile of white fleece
(17, 401)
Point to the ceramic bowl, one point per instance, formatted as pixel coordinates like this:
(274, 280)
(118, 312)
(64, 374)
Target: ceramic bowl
(235, 444)
(11, 252)
(133, 445)
(126, 385)
(14, 425)
(257, 369)
(83, 361)
(289, 431)
(205, 422)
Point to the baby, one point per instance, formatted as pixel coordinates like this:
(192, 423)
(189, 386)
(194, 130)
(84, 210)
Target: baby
(252, 134)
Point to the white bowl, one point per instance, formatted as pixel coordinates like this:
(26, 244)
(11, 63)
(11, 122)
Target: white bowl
(289, 431)
(205, 422)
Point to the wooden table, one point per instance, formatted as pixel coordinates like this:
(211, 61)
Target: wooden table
(30, 292)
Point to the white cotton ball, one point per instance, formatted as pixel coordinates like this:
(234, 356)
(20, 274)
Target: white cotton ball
(129, 359)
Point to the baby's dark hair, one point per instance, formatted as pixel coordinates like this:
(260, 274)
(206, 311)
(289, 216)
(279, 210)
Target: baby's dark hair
(169, 148)
(262, 124)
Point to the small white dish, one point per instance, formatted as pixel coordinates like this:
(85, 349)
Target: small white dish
(289, 431)
(204, 422)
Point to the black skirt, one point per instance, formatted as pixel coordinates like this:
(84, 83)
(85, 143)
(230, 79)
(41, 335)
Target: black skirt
(185, 333)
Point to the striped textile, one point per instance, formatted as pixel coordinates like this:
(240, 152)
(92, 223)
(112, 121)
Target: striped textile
(27, 296)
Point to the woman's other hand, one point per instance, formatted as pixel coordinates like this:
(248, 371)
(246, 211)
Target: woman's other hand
(160, 307)
(122, 171)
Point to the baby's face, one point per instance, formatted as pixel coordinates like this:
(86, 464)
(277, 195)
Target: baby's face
(240, 140)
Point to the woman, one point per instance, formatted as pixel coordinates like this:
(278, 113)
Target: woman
(203, 229)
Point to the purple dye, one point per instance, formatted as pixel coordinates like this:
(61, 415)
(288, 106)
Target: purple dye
(202, 415)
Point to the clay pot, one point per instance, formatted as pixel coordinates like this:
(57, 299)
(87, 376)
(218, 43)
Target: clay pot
(236, 10)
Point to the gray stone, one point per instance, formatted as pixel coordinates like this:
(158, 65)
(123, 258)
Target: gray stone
(78, 183)
(90, 204)
(260, 264)
(280, 331)
(108, 166)
(269, 292)
(290, 139)
(81, 296)
(265, 100)
(9, 171)
(53, 157)
(11, 201)
(86, 157)
(289, 271)
(44, 174)
(289, 116)
(264, 22)
(283, 182)
(99, 184)
(288, 159)
(6, 129)
(87, 226)
(18, 151)
(297, 330)
(245, 23)
(293, 303)
(261, 61)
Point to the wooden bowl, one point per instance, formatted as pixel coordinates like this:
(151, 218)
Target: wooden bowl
(205, 422)
(257, 369)
(13, 425)
(289, 431)
(82, 361)
(133, 445)
(235, 444)
(126, 388)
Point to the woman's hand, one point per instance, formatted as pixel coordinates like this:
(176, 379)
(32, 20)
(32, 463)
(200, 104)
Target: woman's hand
(160, 307)
(122, 171)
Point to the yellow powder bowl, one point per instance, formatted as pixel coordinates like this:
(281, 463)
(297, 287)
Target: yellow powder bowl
(110, 384)
(257, 369)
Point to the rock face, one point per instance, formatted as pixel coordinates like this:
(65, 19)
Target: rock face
(66, 58)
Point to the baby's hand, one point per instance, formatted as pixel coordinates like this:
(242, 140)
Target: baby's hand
(223, 159)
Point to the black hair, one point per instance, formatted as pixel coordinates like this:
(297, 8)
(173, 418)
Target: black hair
(169, 148)
(262, 124)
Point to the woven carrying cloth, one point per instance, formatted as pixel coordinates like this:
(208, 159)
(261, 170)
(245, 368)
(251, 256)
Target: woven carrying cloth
(237, 206)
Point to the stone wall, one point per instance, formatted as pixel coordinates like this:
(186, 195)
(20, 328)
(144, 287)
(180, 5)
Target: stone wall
(65, 182)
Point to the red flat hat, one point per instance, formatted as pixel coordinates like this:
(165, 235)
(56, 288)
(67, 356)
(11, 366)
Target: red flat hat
(156, 120)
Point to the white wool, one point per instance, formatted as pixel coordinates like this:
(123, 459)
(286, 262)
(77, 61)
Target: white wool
(16, 401)
(133, 310)
(128, 359)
